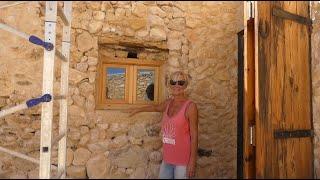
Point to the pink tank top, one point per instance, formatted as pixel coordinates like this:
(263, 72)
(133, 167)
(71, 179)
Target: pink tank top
(176, 136)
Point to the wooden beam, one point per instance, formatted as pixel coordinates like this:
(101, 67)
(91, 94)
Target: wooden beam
(22, 156)
(63, 121)
(47, 88)
(4, 4)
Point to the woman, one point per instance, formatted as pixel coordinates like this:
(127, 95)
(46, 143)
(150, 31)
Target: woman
(179, 130)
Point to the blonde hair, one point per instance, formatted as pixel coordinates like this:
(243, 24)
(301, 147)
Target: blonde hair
(175, 76)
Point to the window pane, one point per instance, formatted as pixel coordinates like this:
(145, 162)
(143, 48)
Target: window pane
(145, 84)
(116, 79)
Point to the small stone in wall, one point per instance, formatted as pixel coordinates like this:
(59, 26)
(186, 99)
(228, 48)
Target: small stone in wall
(92, 61)
(185, 49)
(155, 156)
(76, 172)
(155, 10)
(33, 174)
(81, 156)
(94, 133)
(142, 34)
(98, 15)
(95, 27)
(158, 34)
(86, 89)
(69, 157)
(136, 23)
(120, 12)
(83, 66)
(78, 100)
(98, 167)
(177, 13)
(90, 103)
(118, 142)
(177, 24)
(155, 21)
(84, 59)
(174, 44)
(76, 111)
(133, 158)
(139, 173)
(103, 126)
(135, 141)
(92, 77)
(139, 9)
(18, 175)
(84, 41)
(129, 32)
(84, 130)
(84, 140)
(74, 134)
(92, 69)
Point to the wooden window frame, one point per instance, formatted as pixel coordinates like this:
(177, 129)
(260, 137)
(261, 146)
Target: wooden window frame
(131, 80)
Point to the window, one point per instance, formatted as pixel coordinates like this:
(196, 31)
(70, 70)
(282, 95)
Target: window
(123, 82)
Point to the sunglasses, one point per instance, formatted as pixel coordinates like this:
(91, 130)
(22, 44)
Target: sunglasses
(180, 83)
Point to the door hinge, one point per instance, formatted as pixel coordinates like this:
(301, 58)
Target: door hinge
(282, 134)
(252, 135)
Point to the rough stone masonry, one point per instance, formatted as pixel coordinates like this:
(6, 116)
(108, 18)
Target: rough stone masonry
(201, 38)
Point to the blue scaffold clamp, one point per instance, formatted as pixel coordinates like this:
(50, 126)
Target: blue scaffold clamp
(35, 40)
(33, 102)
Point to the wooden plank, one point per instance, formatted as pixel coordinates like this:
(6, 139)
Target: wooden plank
(248, 96)
(63, 16)
(5, 4)
(47, 108)
(22, 156)
(262, 10)
(63, 121)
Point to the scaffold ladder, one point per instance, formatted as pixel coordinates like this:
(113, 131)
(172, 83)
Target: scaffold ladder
(46, 142)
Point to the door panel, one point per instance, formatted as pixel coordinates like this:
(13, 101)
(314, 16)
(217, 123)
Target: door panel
(249, 100)
(283, 89)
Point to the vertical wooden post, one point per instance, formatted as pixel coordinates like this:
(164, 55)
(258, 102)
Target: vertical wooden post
(62, 150)
(249, 93)
(47, 88)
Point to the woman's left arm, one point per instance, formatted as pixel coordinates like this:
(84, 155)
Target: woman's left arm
(192, 115)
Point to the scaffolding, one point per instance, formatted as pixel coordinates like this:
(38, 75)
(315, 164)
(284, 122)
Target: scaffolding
(52, 9)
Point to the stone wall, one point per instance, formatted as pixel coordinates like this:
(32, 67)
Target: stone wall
(315, 43)
(201, 39)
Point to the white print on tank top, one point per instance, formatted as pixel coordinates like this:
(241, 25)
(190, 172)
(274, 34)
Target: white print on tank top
(169, 135)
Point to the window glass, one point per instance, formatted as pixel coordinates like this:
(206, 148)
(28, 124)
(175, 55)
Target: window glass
(115, 85)
(145, 84)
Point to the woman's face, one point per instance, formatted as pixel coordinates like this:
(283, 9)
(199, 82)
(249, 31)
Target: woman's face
(177, 86)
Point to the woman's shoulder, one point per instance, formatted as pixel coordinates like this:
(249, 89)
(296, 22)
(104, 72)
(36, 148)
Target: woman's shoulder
(190, 101)
(191, 104)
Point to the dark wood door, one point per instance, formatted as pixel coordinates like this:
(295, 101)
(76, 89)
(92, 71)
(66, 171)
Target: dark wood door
(283, 90)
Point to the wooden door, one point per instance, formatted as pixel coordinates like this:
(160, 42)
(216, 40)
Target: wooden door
(249, 93)
(283, 112)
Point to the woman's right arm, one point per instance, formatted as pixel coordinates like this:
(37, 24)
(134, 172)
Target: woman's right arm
(149, 108)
